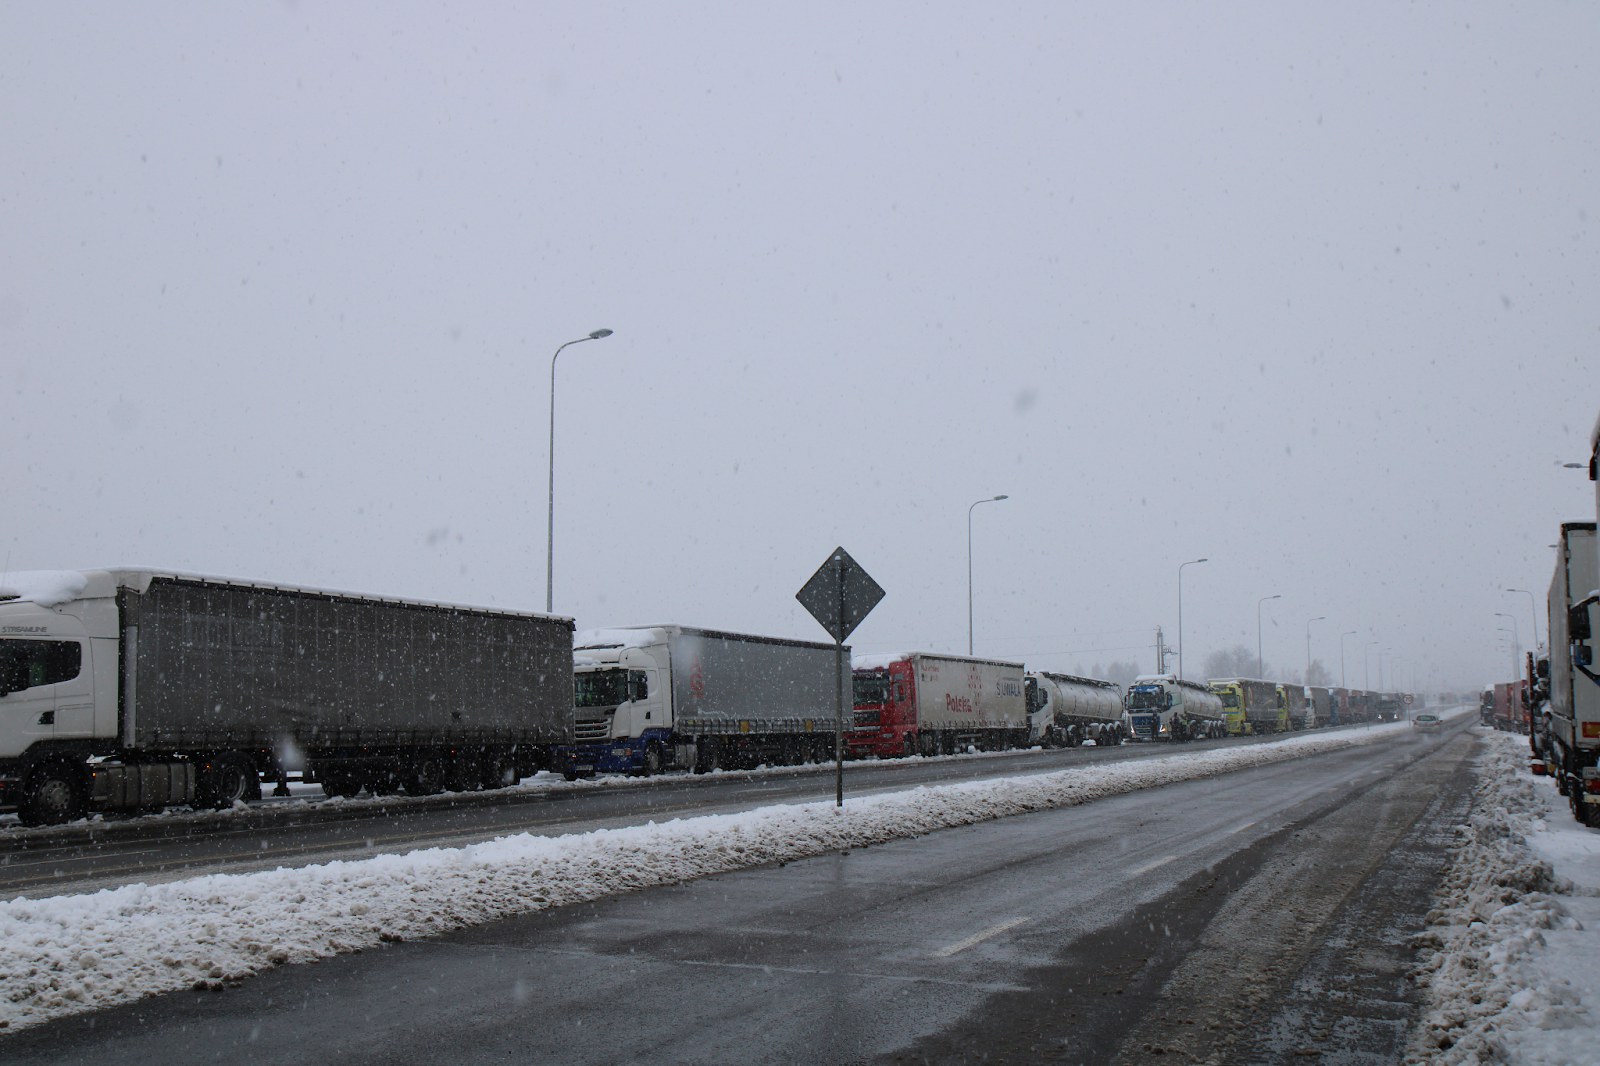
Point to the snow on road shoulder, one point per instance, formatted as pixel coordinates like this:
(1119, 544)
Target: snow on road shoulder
(1512, 975)
(67, 954)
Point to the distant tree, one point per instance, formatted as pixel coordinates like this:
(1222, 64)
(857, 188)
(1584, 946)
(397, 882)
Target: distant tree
(1237, 661)
(1121, 673)
(1288, 677)
(1318, 675)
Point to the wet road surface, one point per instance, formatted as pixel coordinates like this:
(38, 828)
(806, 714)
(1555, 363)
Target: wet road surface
(1258, 916)
(107, 854)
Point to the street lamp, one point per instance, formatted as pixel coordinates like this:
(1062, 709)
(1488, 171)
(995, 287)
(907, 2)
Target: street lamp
(1322, 618)
(1191, 562)
(991, 499)
(1533, 609)
(1260, 669)
(1516, 637)
(1352, 633)
(1366, 668)
(550, 527)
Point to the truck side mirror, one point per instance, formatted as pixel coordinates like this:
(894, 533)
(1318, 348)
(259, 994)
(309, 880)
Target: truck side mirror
(1542, 668)
(1581, 655)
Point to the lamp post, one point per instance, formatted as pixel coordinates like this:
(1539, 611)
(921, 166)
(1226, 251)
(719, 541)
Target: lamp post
(1191, 562)
(550, 526)
(991, 499)
(1516, 638)
(1260, 669)
(1352, 633)
(1533, 609)
(1321, 618)
(1366, 668)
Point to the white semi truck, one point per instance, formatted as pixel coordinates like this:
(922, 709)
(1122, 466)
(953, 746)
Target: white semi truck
(1163, 707)
(1064, 711)
(1573, 735)
(137, 689)
(653, 698)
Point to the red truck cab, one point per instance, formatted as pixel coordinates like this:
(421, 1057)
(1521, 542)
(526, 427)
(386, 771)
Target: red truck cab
(885, 710)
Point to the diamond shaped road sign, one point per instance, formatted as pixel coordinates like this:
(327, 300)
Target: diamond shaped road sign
(839, 595)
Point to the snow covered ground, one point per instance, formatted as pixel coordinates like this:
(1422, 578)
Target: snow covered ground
(1515, 971)
(67, 954)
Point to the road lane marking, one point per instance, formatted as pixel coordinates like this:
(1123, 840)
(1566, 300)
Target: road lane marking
(1242, 828)
(977, 938)
(1147, 867)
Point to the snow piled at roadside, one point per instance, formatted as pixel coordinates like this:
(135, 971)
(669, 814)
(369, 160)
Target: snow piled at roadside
(67, 954)
(1505, 950)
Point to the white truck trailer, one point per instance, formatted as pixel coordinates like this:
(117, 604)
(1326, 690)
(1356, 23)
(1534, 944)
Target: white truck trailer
(1064, 711)
(653, 698)
(1163, 707)
(1574, 730)
(135, 689)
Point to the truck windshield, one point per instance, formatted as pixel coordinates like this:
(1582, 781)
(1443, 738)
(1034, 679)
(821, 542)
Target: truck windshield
(871, 688)
(30, 663)
(601, 688)
(1148, 699)
(1230, 699)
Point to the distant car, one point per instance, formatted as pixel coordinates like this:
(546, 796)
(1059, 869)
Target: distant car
(1425, 723)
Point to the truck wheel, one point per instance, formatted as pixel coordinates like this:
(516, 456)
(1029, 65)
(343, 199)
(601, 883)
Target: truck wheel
(499, 772)
(55, 794)
(652, 763)
(426, 777)
(227, 779)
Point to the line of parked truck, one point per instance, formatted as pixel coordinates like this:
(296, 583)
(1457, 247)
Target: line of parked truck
(136, 690)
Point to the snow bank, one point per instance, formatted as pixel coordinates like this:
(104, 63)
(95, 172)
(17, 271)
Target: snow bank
(67, 954)
(47, 588)
(1496, 992)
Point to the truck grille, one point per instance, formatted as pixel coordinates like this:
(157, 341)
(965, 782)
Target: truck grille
(591, 728)
(1144, 724)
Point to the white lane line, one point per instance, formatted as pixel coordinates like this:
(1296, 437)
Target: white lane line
(1147, 867)
(976, 938)
(1242, 828)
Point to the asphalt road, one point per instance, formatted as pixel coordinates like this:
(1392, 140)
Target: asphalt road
(154, 849)
(1259, 916)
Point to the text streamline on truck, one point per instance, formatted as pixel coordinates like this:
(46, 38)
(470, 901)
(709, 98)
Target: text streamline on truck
(1161, 707)
(131, 689)
(920, 704)
(650, 698)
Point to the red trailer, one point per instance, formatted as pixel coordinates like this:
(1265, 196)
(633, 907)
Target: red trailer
(1511, 706)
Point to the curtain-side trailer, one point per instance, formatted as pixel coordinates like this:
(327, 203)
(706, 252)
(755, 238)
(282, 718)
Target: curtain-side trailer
(123, 689)
(1574, 732)
(651, 698)
(1250, 704)
(926, 704)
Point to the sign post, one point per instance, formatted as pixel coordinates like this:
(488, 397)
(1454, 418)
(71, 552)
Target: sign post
(839, 595)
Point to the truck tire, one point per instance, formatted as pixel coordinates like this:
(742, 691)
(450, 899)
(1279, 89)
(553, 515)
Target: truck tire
(653, 762)
(425, 777)
(55, 793)
(226, 779)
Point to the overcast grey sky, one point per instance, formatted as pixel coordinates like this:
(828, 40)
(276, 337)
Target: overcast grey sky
(1308, 290)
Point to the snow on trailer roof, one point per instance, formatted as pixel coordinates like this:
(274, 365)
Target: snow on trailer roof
(1099, 682)
(879, 662)
(99, 583)
(643, 636)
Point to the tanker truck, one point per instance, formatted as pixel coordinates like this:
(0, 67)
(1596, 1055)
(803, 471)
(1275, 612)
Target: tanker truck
(1064, 711)
(1163, 707)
